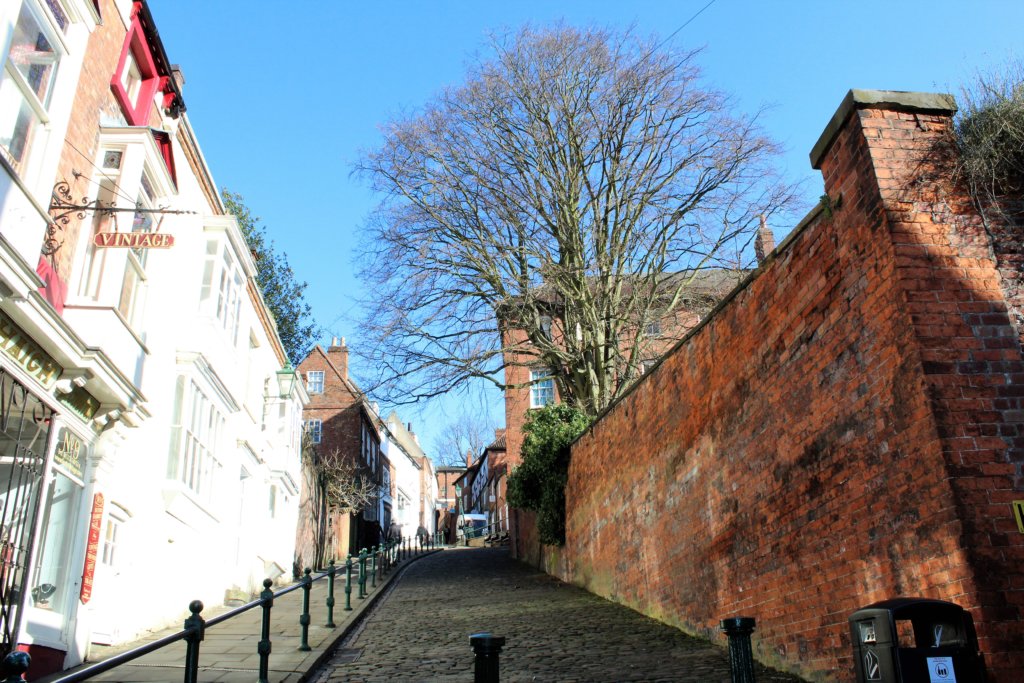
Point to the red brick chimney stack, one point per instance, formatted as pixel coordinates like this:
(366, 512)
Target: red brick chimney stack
(338, 353)
(764, 243)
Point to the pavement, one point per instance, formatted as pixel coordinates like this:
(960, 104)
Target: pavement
(228, 653)
(419, 630)
(415, 626)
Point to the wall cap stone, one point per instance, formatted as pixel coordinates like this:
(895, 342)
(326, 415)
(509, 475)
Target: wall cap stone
(895, 100)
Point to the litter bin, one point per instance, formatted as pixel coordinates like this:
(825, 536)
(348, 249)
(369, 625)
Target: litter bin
(915, 640)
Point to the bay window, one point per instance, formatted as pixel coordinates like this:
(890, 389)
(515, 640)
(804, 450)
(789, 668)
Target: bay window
(223, 287)
(197, 429)
(133, 288)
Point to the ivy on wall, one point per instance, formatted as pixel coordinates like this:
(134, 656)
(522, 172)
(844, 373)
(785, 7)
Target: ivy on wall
(538, 483)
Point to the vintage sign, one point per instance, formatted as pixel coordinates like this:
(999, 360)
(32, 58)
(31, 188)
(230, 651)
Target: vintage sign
(92, 549)
(17, 346)
(134, 240)
(70, 452)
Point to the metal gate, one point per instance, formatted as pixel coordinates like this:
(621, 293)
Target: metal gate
(24, 433)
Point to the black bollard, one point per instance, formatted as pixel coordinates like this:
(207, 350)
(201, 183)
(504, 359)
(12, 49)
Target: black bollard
(263, 647)
(741, 656)
(307, 584)
(486, 648)
(196, 627)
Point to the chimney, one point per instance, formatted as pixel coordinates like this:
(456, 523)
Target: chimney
(764, 243)
(338, 353)
(469, 458)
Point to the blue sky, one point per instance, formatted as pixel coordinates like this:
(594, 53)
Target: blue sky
(283, 96)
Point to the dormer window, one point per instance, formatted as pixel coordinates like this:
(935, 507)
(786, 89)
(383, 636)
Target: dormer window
(136, 80)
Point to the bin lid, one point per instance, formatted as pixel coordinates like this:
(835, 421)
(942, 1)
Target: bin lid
(902, 608)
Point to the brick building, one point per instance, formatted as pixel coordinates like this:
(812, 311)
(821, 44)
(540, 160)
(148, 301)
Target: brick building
(530, 380)
(447, 505)
(340, 424)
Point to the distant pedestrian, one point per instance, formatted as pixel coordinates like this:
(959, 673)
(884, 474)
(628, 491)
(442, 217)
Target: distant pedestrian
(422, 534)
(394, 532)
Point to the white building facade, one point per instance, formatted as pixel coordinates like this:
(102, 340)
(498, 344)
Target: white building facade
(149, 421)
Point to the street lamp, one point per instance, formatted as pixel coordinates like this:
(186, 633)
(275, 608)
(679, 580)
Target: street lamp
(286, 377)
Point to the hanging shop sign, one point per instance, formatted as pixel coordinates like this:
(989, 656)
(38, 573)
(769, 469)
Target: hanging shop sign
(134, 240)
(70, 452)
(92, 549)
(29, 356)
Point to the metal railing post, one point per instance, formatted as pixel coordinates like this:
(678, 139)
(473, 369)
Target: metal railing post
(263, 647)
(16, 663)
(330, 595)
(195, 626)
(307, 584)
(362, 573)
(348, 583)
(486, 648)
(373, 566)
(741, 657)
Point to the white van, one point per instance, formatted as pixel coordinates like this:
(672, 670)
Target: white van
(472, 525)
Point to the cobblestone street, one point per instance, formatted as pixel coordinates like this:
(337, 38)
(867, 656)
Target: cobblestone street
(554, 631)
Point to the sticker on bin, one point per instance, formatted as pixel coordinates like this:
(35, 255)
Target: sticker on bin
(940, 670)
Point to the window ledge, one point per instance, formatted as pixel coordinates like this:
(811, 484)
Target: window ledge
(181, 503)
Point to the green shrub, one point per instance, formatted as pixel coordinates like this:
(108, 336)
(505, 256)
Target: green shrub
(538, 483)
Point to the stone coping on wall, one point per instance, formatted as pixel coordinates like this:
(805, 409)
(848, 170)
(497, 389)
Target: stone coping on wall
(897, 100)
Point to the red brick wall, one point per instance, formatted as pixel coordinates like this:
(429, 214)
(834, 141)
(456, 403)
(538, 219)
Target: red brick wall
(846, 429)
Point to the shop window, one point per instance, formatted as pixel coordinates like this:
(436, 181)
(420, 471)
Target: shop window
(26, 82)
(542, 388)
(315, 382)
(197, 426)
(51, 580)
(136, 80)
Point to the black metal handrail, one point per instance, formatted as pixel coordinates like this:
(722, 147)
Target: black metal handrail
(377, 561)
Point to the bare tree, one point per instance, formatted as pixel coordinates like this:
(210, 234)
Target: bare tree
(334, 484)
(466, 434)
(347, 486)
(572, 191)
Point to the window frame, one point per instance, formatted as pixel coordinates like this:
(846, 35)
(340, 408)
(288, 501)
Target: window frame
(311, 384)
(132, 301)
(38, 109)
(315, 428)
(136, 45)
(539, 384)
(199, 428)
(223, 286)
